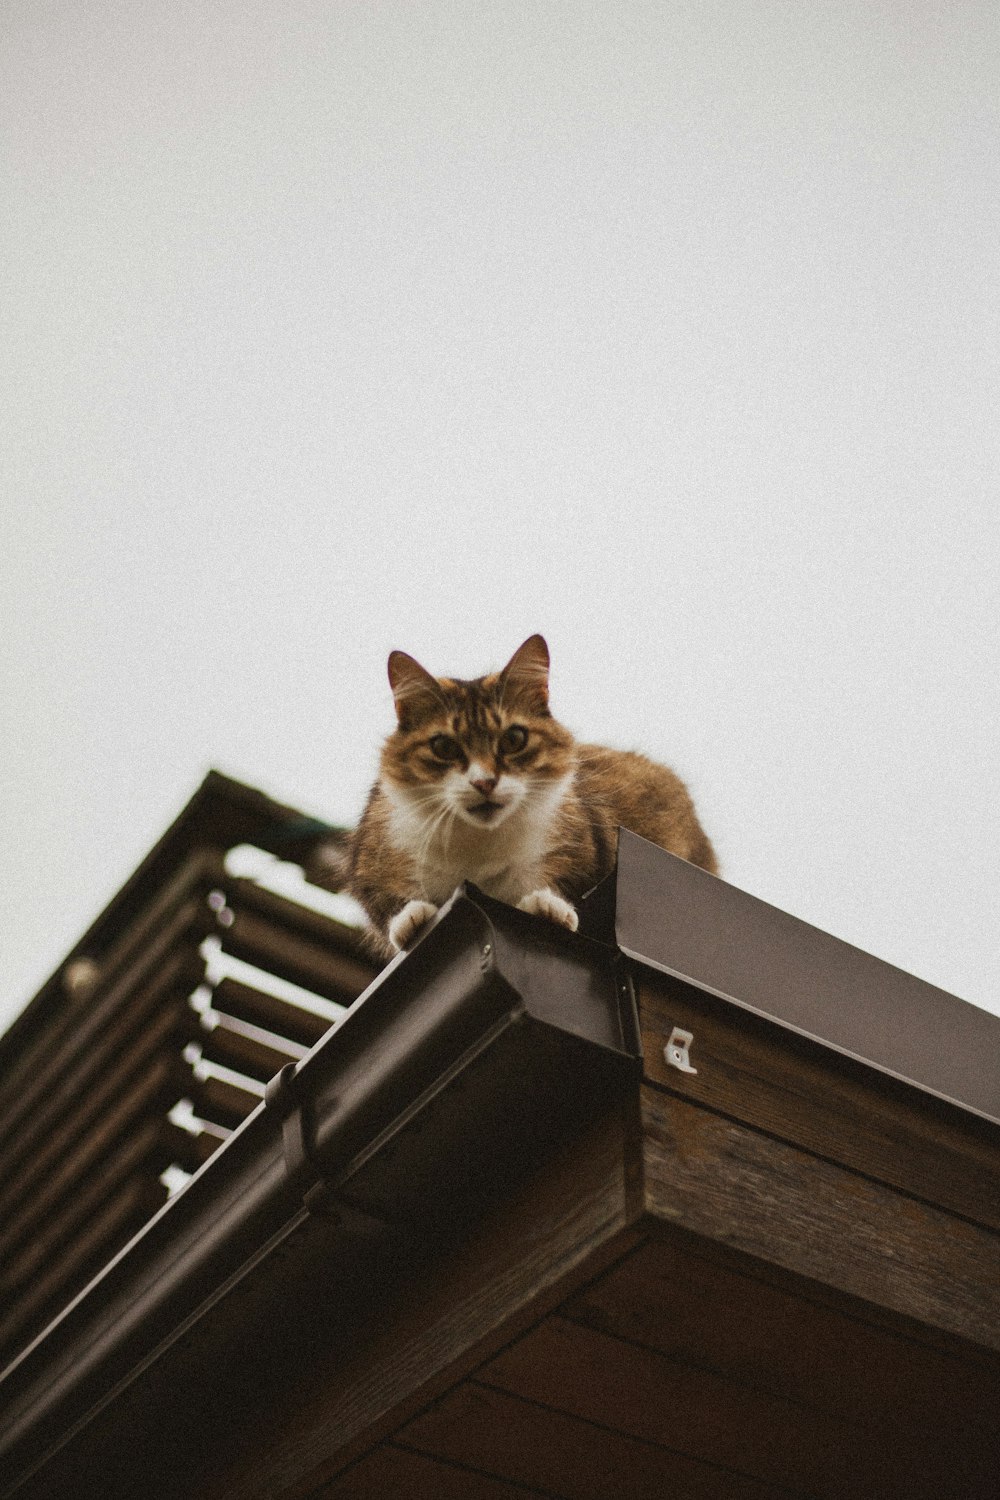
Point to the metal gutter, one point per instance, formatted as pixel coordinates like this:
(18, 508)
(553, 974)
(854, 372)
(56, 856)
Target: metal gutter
(463, 1065)
(678, 919)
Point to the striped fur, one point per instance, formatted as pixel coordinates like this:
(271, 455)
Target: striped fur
(479, 782)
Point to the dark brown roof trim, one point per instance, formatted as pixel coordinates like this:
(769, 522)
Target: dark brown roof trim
(685, 922)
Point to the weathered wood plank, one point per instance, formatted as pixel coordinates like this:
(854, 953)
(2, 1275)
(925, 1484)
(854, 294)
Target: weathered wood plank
(758, 1073)
(155, 1023)
(397, 1472)
(696, 1310)
(737, 1186)
(232, 997)
(272, 943)
(562, 1455)
(706, 1417)
(109, 1227)
(570, 1222)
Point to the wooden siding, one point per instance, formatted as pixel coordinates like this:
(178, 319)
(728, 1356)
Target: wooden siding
(570, 1221)
(810, 1306)
(676, 1373)
(85, 1104)
(792, 1154)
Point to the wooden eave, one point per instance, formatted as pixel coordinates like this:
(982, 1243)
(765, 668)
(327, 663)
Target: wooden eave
(775, 1275)
(222, 813)
(132, 1022)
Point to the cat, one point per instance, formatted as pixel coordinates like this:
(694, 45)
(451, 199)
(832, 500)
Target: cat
(479, 782)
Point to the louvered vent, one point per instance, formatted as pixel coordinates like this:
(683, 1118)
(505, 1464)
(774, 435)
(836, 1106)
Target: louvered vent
(156, 1052)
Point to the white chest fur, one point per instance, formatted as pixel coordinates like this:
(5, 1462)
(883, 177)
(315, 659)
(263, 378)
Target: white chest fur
(506, 862)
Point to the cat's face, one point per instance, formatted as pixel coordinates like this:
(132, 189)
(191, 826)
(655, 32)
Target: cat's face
(478, 752)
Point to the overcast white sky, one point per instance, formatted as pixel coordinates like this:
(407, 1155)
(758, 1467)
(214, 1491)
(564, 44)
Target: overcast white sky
(668, 329)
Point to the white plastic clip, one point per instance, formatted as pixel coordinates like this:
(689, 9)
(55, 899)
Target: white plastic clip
(676, 1050)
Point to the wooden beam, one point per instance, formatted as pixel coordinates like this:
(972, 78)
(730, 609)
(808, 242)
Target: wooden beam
(698, 1305)
(537, 1444)
(735, 1185)
(813, 1097)
(570, 1222)
(391, 1471)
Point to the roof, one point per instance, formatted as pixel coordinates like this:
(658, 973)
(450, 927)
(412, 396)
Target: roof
(189, 991)
(222, 813)
(544, 1205)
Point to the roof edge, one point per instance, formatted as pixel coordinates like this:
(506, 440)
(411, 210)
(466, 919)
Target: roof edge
(221, 812)
(678, 919)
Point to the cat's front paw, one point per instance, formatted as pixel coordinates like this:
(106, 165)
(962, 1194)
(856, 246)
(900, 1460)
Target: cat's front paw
(545, 903)
(408, 922)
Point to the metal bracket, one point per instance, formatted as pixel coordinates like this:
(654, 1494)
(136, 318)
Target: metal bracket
(318, 1197)
(282, 1096)
(676, 1050)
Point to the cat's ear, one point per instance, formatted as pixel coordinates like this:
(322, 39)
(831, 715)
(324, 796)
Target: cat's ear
(527, 673)
(415, 692)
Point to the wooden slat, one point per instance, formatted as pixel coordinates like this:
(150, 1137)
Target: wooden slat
(234, 998)
(149, 1080)
(233, 1045)
(192, 882)
(313, 925)
(694, 1411)
(395, 1472)
(220, 1101)
(160, 982)
(767, 1077)
(737, 1186)
(146, 1151)
(104, 1234)
(184, 1149)
(176, 913)
(313, 965)
(206, 1143)
(534, 1445)
(698, 1309)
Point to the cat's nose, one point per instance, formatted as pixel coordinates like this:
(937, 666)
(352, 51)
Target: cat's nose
(485, 784)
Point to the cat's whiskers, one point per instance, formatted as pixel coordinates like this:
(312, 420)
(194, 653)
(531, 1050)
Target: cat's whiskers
(445, 813)
(423, 794)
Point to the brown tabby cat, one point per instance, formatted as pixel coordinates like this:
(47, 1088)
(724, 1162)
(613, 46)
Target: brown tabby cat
(479, 782)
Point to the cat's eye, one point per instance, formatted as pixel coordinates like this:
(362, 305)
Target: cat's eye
(513, 739)
(445, 748)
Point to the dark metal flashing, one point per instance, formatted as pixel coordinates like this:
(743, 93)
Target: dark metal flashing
(462, 1066)
(684, 922)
